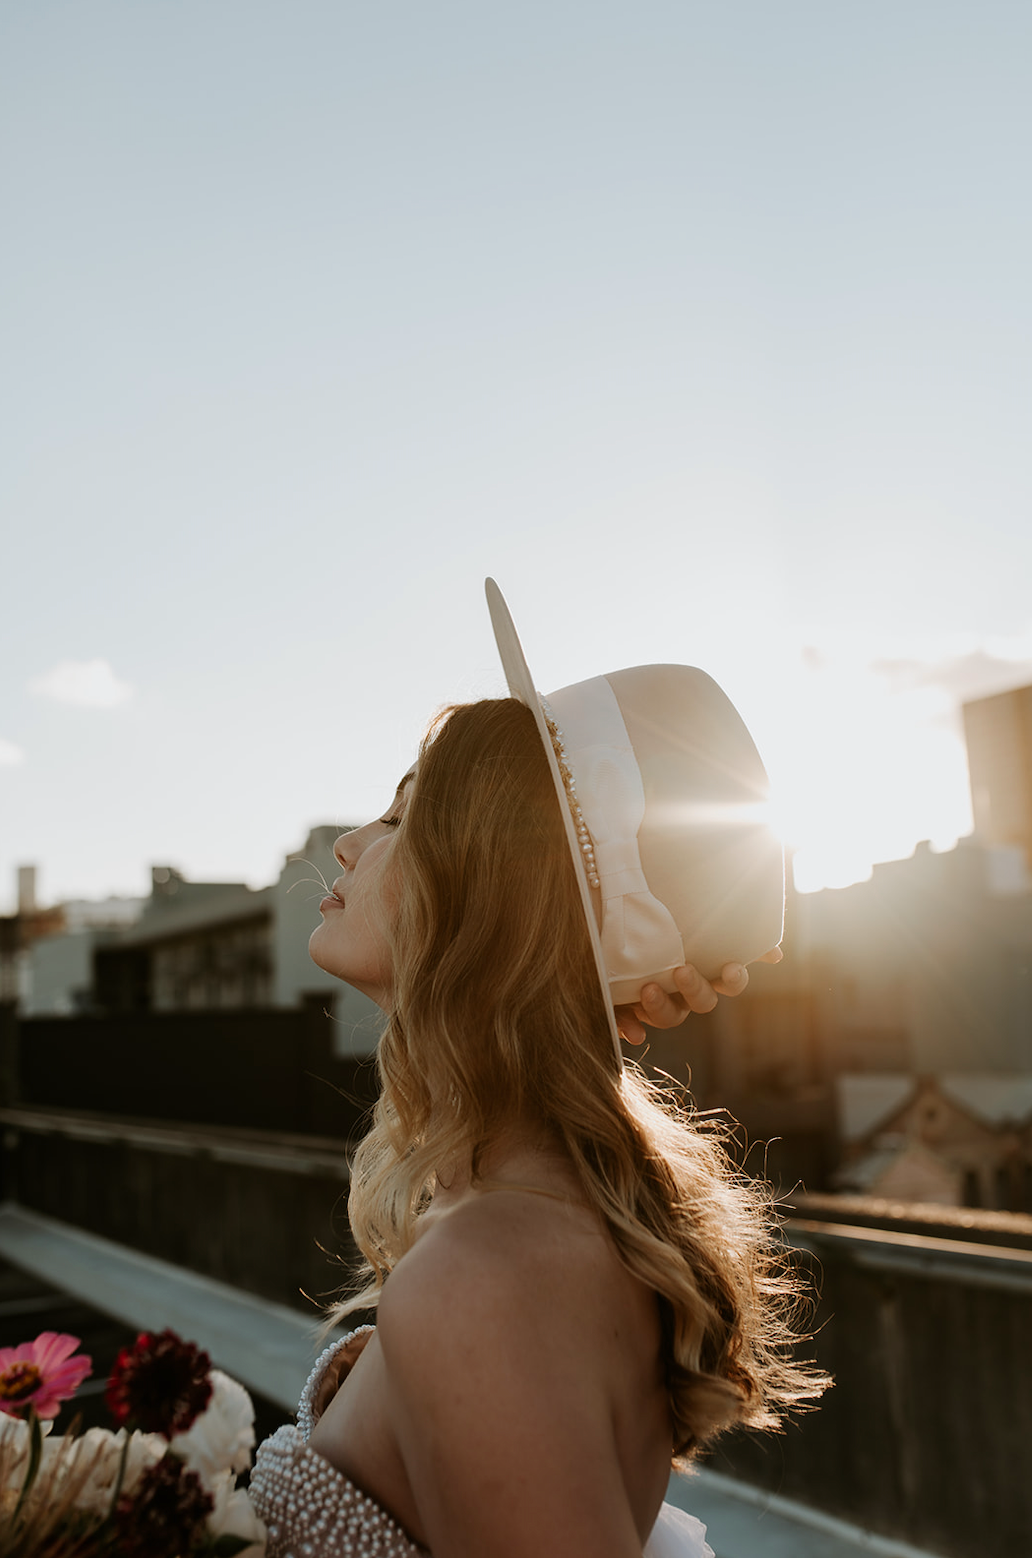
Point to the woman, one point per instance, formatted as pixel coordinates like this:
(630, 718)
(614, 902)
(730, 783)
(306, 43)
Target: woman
(581, 1289)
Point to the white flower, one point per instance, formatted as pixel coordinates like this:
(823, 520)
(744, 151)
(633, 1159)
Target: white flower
(14, 1429)
(94, 1456)
(222, 1437)
(102, 1449)
(235, 1515)
(14, 1447)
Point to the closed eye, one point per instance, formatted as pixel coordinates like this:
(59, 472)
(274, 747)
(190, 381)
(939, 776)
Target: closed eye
(394, 816)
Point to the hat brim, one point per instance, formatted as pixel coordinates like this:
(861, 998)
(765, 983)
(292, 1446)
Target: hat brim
(521, 686)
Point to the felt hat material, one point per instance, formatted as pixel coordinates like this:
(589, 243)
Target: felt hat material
(665, 803)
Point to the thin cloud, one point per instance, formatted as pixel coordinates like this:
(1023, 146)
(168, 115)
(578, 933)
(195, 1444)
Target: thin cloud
(961, 666)
(980, 673)
(10, 755)
(91, 684)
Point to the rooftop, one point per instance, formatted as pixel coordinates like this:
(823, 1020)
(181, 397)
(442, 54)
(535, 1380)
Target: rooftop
(52, 1275)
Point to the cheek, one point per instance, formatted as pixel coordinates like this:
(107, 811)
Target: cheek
(353, 942)
(371, 901)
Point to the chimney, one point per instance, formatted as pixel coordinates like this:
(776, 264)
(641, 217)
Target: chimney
(165, 881)
(26, 890)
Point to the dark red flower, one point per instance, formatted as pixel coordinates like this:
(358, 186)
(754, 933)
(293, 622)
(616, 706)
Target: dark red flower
(160, 1384)
(164, 1515)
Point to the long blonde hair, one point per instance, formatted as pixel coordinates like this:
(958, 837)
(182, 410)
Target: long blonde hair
(496, 1017)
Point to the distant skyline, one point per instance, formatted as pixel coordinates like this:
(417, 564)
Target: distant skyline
(706, 330)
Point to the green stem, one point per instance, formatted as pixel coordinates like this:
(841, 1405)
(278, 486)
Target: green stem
(120, 1478)
(35, 1452)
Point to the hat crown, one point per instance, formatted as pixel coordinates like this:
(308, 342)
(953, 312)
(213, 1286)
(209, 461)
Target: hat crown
(692, 835)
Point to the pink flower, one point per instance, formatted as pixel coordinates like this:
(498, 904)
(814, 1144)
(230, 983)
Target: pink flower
(41, 1374)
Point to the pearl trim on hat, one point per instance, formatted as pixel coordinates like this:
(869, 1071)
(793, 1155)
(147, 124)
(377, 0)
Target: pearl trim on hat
(581, 827)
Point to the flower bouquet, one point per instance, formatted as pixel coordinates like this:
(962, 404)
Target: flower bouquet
(163, 1485)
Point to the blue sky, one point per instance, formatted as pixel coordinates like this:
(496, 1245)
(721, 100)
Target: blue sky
(705, 329)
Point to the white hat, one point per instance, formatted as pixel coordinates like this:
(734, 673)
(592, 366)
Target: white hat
(665, 802)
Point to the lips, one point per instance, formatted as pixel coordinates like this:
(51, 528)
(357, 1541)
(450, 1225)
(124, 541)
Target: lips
(331, 901)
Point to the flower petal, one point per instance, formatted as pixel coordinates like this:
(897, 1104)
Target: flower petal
(60, 1385)
(52, 1347)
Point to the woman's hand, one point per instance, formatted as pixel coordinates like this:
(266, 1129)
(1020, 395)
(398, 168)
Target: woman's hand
(659, 1009)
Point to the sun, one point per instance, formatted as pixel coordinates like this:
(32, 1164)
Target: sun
(861, 775)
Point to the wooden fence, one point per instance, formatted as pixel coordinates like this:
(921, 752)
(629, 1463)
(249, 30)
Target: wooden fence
(263, 1069)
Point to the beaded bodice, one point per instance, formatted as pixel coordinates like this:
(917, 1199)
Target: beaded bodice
(310, 1509)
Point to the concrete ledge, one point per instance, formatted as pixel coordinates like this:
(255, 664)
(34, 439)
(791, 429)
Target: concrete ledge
(955, 1260)
(285, 1154)
(743, 1521)
(268, 1347)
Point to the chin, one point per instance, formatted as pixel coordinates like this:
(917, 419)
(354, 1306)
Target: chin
(323, 954)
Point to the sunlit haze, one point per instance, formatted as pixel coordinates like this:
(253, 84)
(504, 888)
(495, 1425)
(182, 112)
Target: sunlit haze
(706, 330)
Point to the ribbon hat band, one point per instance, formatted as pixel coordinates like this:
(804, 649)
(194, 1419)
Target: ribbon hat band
(637, 930)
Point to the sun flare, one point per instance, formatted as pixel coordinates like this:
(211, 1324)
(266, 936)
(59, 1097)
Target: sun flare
(861, 774)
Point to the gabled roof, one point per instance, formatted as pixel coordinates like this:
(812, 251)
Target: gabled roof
(866, 1099)
(221, 904)
(999, 1099)
(869, 1170)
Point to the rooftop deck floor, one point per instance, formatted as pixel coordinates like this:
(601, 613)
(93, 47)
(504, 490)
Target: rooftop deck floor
(55, 1277)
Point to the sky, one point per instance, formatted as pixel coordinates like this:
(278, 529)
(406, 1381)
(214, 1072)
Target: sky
(705, 329)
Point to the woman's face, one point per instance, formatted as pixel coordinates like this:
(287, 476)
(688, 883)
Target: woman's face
(351, 941)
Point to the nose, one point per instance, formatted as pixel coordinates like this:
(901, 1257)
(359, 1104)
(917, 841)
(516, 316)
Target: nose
(343, 849)
(350, 845)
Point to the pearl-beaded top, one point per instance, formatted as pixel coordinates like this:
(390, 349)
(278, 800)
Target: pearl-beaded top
(310, 1509)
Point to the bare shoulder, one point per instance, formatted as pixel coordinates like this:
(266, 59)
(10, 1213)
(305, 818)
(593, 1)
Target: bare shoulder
(510, 1252)
(512, 1273)
(516, 1347)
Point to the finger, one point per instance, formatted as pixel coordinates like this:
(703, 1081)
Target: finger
(699, 995)
(629, 1025)
(733, 979)
(773, 956)
(659, 1009)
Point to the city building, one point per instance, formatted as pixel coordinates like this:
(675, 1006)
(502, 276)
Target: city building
(956, 1138)
(916, 983)
(199, 947)
(998, 734)
(912, 989)
(19, 932)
